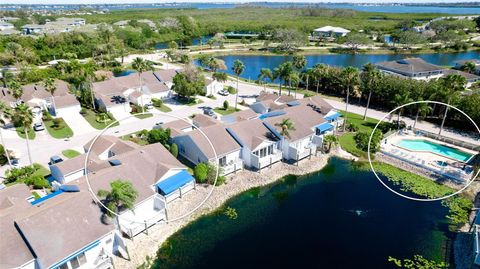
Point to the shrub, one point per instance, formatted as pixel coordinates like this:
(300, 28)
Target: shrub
(200, 172)
(83, 111)
(211, 96)
(18, 174)
(231, 90)
(46, 116)
(174, 150)
(225, 105)
(362, 138)
(352, 127)
(157, 102)
(158, 136)
(56, 123)
(37, 182)
(3, 157)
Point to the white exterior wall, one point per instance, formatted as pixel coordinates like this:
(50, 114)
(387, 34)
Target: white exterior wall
(246, 154)
(61, 178)
(213, 88)
(30, 265)
(162, 95)
(147, 99)
(189, 150)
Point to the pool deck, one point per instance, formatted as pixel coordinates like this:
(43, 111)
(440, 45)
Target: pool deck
(426, 159)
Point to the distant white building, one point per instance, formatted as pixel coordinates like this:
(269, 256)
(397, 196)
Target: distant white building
(329, 32)
(5, 25)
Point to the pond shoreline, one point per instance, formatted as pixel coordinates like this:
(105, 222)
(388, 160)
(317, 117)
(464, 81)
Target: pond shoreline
(143, 246)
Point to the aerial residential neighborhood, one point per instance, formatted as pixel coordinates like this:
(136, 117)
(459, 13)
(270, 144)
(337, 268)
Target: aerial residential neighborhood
(222, 135)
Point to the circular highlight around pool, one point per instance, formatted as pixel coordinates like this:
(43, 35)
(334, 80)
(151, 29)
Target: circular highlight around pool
(445, 160)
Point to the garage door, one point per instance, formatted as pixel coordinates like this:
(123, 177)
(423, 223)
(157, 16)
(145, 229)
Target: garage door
(76, 121)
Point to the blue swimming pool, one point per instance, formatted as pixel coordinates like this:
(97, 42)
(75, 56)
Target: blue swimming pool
(429, 146)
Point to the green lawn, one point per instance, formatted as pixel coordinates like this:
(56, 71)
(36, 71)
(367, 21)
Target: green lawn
(70, 153)
(36, 196)
(164, 108)
(138, 109)
(133, 138)
(91, 117)
(21, 133)
(223, 112)
(41, 170)
(60, 132)
(347, 142)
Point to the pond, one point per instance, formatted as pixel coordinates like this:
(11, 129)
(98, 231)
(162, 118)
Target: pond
(339, 217)
(254, 63)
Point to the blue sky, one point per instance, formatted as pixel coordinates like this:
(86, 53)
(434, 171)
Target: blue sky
(229, 1)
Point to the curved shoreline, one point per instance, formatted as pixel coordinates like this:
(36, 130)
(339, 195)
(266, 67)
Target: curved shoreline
(147, 245)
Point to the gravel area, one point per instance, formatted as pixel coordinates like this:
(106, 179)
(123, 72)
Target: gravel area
(143, 244)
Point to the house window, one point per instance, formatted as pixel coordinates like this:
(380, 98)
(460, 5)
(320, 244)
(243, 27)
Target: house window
(74, 263)
(82, 259)
(270, 150)
(223, 161)
(64, 266)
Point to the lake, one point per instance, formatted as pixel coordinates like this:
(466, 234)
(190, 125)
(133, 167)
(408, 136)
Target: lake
(338, 217)
(254, 63)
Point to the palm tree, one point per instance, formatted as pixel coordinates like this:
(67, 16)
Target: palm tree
(350, 81)
(370, 78)
(265, 73)
(422, 109)
(121, 196)
(294, 79)
(238, 68)
(451, 86)
(283, 72)
(24, 116)
(4, 113)
(329, 140)
(51, 87)
(318, 71)
(299, 61)
(141, 66)
(399, 100)
(16, 90)
(287, 126)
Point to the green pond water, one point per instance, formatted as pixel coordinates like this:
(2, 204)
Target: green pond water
(338, 217)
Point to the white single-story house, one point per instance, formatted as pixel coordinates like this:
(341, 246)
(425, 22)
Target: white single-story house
(260, 143)
(116, 93)
(329, 32)
(212, 86)
(195, 147)
(414, 68)
(79, 238)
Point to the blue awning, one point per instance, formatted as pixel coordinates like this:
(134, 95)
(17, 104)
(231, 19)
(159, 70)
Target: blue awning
(46, 197)
(174, 182)
(272, 114)
(333, 116)
(324, 127)
(293, 103)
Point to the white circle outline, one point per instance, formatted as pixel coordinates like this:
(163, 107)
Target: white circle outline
(405, 196)
(146, 113)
